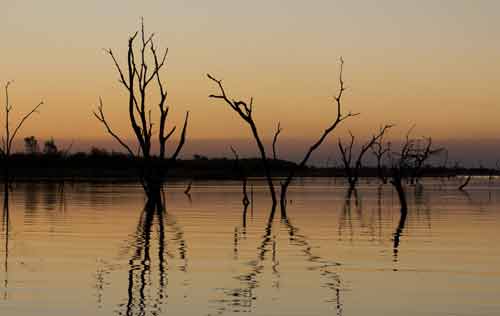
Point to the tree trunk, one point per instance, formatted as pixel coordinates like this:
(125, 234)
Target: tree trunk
(401, 194)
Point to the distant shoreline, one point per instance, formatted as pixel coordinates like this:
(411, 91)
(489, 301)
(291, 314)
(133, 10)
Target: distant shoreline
(123, 168)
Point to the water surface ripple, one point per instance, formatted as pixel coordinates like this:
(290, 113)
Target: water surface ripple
(100, 249)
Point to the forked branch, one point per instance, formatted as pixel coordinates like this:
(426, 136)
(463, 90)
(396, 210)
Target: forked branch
(9, 137)
(244, 110)
(340, 117)
(99, 114)
(352, 169)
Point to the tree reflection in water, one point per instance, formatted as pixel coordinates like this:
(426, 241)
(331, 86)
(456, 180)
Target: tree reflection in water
(148, 276)
(346, 218)
(243, 298)
(397, 235)
(6, 232)
(346, 215)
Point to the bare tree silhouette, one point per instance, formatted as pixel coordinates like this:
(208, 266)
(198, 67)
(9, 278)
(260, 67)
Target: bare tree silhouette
(137, 79)
(244, 110)
(275, 139)
(10, 135)
(339, 119)
(351, 167)
(408, 162)
(422, 151)
(381, 150)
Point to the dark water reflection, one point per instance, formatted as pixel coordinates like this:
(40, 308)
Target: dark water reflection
(241, 299)
(148, 263)
(100, 249)
(6, 235)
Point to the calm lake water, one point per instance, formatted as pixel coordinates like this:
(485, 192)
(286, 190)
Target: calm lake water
(92, 249)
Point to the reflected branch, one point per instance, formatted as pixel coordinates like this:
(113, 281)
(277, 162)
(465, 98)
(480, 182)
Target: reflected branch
(141, 300)
(398, 233)
(241, 299)
(346, 215)
(6, 230)
(330, 279)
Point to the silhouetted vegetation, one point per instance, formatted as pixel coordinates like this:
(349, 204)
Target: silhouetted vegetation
(339, 119)
(136, 79)
(351, 167)
(10, 135)
(50, 147)
(100, 163)
(244, 110)
(408, 164)
(31, 145)
(380, 150)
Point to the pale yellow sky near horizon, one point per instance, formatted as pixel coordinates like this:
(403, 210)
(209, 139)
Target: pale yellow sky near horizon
(430, 63)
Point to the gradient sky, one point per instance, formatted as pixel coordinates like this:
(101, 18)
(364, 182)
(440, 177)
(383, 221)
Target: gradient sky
(432, 63)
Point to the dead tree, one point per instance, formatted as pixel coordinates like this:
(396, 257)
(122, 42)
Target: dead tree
(422, 151)
(340, 117)
(409, 162)
(243, 177)
(275, 139)
(380, 150)
(399, 168)
(142, 73)
(352, 166)
(244, 110)
(10, 135)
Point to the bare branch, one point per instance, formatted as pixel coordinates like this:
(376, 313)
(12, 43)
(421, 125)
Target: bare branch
(379, 151)
(244, 110)
(170, 133)
(235, 154)
(339, 118)
(352, 170)
(8, 140)
(144, 66)
(118, 68)
(20, 124)
(241, 107)
(182, 139)
(373, 141)
(100, 116)
(275, 138)
(158, 65)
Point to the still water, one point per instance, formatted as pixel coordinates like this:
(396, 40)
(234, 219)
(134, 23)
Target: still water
(94, 249)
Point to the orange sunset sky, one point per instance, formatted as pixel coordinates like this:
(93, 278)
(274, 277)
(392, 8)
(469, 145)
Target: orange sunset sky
(432, 63)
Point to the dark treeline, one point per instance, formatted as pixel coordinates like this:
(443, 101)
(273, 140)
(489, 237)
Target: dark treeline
(101, 164)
